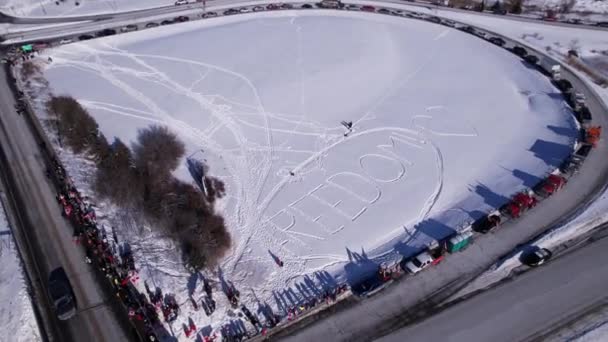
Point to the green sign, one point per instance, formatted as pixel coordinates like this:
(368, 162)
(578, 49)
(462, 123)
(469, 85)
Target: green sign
(27, 48)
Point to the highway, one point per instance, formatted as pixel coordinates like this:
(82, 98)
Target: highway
(522, 310)
(37, 219)
(92, 23)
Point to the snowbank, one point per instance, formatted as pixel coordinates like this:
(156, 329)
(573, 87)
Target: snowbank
(17, 319)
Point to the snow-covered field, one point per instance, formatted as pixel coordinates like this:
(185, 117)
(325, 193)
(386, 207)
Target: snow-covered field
(36, 8)
(16, 314)
(445, 128)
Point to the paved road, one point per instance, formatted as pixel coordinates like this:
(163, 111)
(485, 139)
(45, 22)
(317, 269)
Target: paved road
(49, 233)
(93, 23)
(519, 310)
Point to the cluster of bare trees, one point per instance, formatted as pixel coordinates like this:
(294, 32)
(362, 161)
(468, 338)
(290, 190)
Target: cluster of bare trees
(141, 177)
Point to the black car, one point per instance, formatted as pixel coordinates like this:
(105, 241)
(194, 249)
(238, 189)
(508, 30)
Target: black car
(105, 33)
(85, 37)
(520, 51)
(497, 41)
(286, 6)
(306, 6)
(535, 257)
(182, 19)
(583, 151)
(583, 114)
(531, 59)
(231, 12)
(367, 285)
(166, 22)
(149, 25)
(434, 19)
(61, 294)
(569, 167)
(563, 85)
(486, 223)
(467, 29)
(384, 11)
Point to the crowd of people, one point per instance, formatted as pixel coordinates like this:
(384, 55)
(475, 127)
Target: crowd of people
(114, 261)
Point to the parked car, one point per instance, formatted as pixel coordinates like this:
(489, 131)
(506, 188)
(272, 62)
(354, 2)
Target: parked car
(149, 25)
(520, 51)
(353, 7)
(182, 19)
(602, 24)
(367, 285)
(210, 14)
(181, 2)
(384, 11)
(260, 8)
(497, 41)
(418, 263)
(570, 166)
(582, 152)
(286, 6)
(231, 11)
(65, 41)
(128, 28)
(106, 32)
(583, 114)
(85, 37)
(467, 29)
(272, 7)
(244, 10)
(166, 22)
(536, 257)
(367, 8)
(531, 59)
(449, 23)
(61, 294)
(434, 19)
(486, 223)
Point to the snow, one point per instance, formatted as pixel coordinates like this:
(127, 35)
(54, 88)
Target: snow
(589, 328)
(440, 136)
(581, 6)
(596, 335)
(37, 8)
(17, 319)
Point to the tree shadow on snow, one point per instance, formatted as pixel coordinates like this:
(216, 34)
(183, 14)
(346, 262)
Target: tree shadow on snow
(528, 180)
(192, 281)
(435, 229)
(551, 153)
(476, 214)
(359, 267)
(564, 131)
(490, 197)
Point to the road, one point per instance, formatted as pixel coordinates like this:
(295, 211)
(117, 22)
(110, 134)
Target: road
(39, 221)
(93, 23)
(522, 310)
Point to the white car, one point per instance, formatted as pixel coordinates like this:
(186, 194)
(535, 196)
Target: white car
(65, 41)
(181, 2)
(418, 263)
